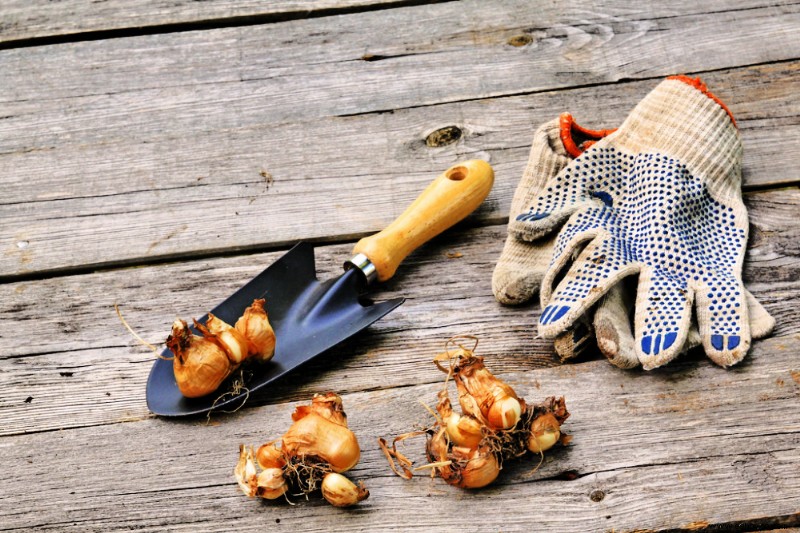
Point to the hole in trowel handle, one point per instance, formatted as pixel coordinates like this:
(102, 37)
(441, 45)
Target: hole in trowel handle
(456, 173)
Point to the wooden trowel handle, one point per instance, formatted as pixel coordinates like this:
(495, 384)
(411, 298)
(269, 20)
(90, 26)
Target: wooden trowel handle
(453, 195)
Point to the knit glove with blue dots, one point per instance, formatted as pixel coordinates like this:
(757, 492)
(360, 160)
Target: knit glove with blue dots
(661, 198)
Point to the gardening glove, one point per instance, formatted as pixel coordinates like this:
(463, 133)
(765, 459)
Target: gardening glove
(660, 197)
(522, 265)
(615, 340)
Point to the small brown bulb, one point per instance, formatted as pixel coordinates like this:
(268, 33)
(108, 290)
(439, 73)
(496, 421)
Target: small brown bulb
(341, 492)
(255, 327)
(233, 341)
(271, 484)
(545, 432)
(200, 364)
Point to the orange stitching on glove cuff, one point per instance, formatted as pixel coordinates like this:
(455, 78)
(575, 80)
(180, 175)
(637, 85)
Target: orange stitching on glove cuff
(569, 127)
(698, 84)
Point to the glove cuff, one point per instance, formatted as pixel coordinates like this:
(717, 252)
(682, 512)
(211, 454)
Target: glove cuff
(700, 85)
(682, 119)
(575, 138)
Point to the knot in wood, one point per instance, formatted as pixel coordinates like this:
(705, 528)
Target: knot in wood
(597, 495)
(444, 136)
(520, 40)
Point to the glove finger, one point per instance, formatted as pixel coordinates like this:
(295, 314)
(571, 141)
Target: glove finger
(573, 342)
(662, 318)
(722, 317)
(761, 322)
(582, 228)
(612, 325)
(601, 265)
(693, 339)
(532, 224)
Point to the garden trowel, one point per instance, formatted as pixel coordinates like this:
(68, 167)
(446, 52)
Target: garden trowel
(310, 316)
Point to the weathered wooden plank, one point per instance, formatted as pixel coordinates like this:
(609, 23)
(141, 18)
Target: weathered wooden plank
(22, 20)
(692, 444)
(65, 348)
(128, 194)
(388, 59)
(684, 448)
(397, 58)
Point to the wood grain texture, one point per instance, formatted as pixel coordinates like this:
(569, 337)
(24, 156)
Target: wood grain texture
(39, 19)
(27, 20)
(689, 444)
(176, 146)
(396, 58)
(149, 190)
(66, 349)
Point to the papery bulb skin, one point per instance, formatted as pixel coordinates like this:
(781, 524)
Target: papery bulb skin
(505, 412)
(328, 405)
(270, 456)
(200, 364)
(314, 436)
(468, 468)
(544, 433)
(341, 492)
(484, 396)
(270, 484)
(463, 430)
(480, 467)
(245, 471)
(255, 327)
(234, 342)
(438, 452)
(320, 430)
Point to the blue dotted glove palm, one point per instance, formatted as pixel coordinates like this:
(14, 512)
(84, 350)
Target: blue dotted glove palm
(661, 198)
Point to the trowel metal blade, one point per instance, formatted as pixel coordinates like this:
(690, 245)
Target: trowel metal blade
(308, 317)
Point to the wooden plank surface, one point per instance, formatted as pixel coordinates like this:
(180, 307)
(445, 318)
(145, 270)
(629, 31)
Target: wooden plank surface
(179, 148)
(397, 58)
(694, 444)
(129, 194)
(91, 360)
(368, 62)
(23, 21)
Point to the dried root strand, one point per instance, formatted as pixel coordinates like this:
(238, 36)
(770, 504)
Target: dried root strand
(137, 337)
(395, 457)
(305, 474)
(237, 388)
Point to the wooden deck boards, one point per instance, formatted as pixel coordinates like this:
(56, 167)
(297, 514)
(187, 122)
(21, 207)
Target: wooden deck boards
(125, 189)
(159, 154)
